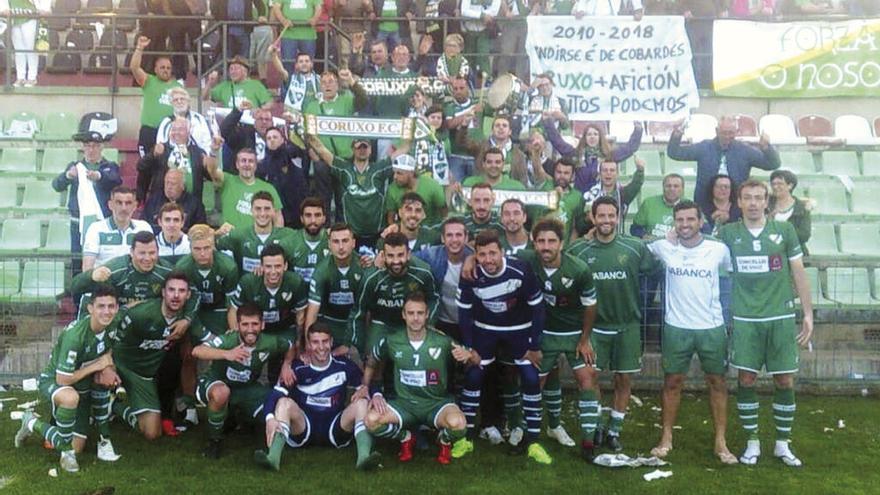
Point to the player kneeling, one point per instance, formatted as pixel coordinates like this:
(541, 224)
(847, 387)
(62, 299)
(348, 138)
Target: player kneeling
(312, 411)
(420, 360)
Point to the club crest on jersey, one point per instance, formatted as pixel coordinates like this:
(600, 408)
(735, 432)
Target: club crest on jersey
(398, 354)
(99, 348)
(413, 286)
(548, 285)
(287, 296)
(566, 282)
(591, 260)
(71, 357)
(622, 258)
(263, 356)
(357, 277)
(776, 238)
(434, 352)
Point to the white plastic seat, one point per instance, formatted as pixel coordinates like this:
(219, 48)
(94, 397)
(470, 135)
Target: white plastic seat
(780, 128)
(855, 129)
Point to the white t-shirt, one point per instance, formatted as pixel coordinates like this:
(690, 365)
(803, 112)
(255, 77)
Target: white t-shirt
(692, 282)
(182, 247)
(105, 241)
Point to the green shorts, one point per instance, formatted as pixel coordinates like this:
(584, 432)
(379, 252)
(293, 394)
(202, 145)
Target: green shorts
(553, 346)
(247, 400)
(143, 396)
(769, 344)
(679, 346)
(47, 389)
(618, 350)
(411, 416)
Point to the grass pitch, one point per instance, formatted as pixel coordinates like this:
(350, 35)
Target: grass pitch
(837, 461)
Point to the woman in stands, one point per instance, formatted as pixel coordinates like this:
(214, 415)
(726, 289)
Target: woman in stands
(592, 149)
(785, 207)
(723, 207)
(24, 37)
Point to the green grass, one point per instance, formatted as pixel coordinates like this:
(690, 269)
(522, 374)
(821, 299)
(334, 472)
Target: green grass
(840, 461)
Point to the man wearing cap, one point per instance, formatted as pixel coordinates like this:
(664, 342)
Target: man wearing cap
(239, 91)
(156, 104)
(406, 181)
(363, 185)
(91, 202)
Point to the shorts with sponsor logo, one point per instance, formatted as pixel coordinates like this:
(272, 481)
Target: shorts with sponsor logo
(412, 414)
(553, 346)
(143, 396)
(47, 388)
(506, 347)
(618, 349)
(680, 344)
(769, 344)
(322, 430)
(245, 400)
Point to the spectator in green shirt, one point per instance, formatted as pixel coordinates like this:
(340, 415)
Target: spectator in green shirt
(654, 218)
(299, 18)
(156, 104)
(406, 180)
(239, 91)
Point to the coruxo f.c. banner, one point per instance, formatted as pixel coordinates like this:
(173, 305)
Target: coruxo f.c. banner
(797, 59)
(615, 68)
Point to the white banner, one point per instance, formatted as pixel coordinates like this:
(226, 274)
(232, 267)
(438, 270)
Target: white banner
(614, 68)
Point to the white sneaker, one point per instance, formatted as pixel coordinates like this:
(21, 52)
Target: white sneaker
(18, 83)
(752, 453)
(23, 432)
(106, 452)
(68, 461)
(491, 434)
(30, 83)
(516, 436)
(783, 451)
(560, 435)
(192, 416)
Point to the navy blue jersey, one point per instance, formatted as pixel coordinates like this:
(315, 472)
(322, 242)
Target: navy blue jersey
(319, 392)
(510, 301)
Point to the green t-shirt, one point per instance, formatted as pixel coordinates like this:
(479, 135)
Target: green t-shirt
(421, 376)
(246, 246)
(393, 106)
(299, 11)
(76, 347)
(568, 290)
(762, 282)
(341, 106)
(213, 286)
(571, 205)
(474, 228)
(235, 199)
(425, 237)
(389, 9)
(157, 101)
(130, 284)
(235, 374)
(655, 216)
(305, 252)
(505, 184)
(363, 194)
(615, 267)
(428, 189)
(279, 305)
(231, 94)
(335, 289)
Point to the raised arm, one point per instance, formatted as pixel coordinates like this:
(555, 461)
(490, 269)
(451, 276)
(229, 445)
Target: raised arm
(211, 167)
(323, 153)
(139, 74)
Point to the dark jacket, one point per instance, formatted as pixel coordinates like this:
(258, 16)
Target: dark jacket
(155, 167)
(192, 208)
(237, 136)
(437, 258)
(109, 179)
(800, 218)
(219, 9)
(477, 149)
(291, 181)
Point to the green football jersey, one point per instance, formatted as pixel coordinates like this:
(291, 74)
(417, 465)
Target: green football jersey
(511, 250)
(305, 252)
(420, 375)
(382, 296)
(335, 289)
(214, 287)
(474, 228)
(571, 206)
(236, 374)
(140, 342)
(246, 246)
(363, 194)
(762, 282)
(130, 284)
(505, 184)
(426, 237)
(76, 347)
(428, 189)
(568, 290)
(279, 305)
(615, 267)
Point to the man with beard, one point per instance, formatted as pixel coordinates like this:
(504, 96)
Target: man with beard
(462, 112)
(236, 191)
(237, 360)
(412, 214)
(491, 172)
(571, 201)
(308, 245)
(200, 128)
(514, 218)
(513, 160)
(616, 261)
(407, 181)
(246, 243)
(482, 217)
(302, 85)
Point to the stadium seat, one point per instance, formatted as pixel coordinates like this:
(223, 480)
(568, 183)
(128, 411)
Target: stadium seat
(18, 160)
(55, 160)
(860, 239)
(865, 198)
(799, 162)
(102, 6)
(41, 282)
(22, 125)
(8, 194)
(99, 63)
(877, 127)
(685, 169)
(651, 188)
(653, 164)
(746, 128)
(59, 126)
(111, 155)
(10, 278)
(823, 240)
(116, 39)
(621, 130)
(780, 128)
(871, 163)
(817, 129)
(829, 197)
(65, 63)
(855, 129)
(20, 234)
(80, 39)
(660, 131)
(124, 8)
(840, 163)
(60, 8)
(700, 127)
(848, 286)
(57, 237)
(40, 197)
(817, 291)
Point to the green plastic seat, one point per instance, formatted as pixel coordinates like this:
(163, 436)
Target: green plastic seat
(651, 188)
(840, 163)
(860, 239)
(57, 237)
(20, 234)
(849, 286)
(817, 292)
(829, 198)
(41, 281)
(653, 164)
(871, 163)
(799, 162)
(111, 155)
(8, 194)
(18, 160)
(684, 169)
(10, 278)
(55, 160)
(40, 196)
(22, 125)
(59, 126)
(866, 199)
(823, 241)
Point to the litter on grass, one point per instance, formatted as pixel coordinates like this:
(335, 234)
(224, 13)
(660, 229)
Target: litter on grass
(827, 430)
(29, 384)
(53, 473)
(636, 400)
(28, 405)
(656, 475)
(623, 460)
(840, 424)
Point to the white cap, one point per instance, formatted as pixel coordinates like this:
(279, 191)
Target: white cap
(405, 163)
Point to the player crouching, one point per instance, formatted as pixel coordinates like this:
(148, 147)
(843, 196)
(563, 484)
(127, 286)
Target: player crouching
(312, 411)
